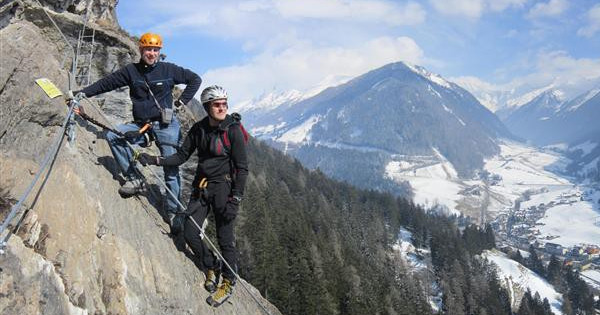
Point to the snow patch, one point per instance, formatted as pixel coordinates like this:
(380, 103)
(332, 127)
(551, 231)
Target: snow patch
(583, 100)
(592, 277)
(528, 97)
(433, 180)
(435, 78)
(300, 133)
(517, 278)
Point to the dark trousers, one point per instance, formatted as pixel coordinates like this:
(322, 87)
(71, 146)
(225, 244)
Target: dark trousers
(215, 199)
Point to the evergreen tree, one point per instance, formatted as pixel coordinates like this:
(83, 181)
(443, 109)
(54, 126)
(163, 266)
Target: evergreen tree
(516, 256)
(567, 308)
(534, 262)
(553, 273)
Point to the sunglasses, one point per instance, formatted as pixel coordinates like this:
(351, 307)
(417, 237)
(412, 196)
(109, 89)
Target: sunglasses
(219, 104)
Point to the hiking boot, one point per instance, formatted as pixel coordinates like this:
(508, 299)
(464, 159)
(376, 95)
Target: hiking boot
(212, 280)
(131, 188)
(222, 294)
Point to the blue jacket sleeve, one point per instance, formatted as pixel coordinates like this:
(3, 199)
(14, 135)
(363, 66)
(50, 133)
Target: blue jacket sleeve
(191, 80)
(115, 80)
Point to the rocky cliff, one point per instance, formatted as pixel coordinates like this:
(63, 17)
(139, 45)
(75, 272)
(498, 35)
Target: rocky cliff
(81, 249)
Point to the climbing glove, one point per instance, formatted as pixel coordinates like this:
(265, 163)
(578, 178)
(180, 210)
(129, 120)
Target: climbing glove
(231, 208)
(147, 159)
(132, 134)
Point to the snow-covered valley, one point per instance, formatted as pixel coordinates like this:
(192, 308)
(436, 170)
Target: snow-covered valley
(522, 184)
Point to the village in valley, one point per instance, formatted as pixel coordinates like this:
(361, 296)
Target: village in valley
(534, 217)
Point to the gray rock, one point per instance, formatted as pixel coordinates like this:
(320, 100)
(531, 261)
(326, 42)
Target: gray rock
(83, 249)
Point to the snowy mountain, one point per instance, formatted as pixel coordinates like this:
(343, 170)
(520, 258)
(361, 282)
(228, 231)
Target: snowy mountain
(548, 119)
(532, 117)
(396, 112)
(516, 101)
(253, 110)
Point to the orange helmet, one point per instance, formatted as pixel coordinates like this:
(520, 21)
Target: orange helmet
(150, 40)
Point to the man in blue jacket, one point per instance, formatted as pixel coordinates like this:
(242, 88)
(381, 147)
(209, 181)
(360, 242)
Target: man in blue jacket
(151, 83)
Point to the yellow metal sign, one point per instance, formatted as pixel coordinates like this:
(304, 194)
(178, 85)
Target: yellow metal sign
(51, 90)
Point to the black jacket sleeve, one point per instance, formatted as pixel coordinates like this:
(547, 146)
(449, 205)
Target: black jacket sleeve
(191, 80)
(115, 80)
(239, 157)
(184, 151)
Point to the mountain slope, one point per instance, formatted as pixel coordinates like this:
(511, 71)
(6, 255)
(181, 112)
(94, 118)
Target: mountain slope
(548, 119)
(531, 119)
(394, 111)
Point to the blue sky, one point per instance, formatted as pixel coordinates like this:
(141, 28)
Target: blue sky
(256, 46)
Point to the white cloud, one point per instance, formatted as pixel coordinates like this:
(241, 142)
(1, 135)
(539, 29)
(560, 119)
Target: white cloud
(593, 20)
(566, 69)
(303, 65)
(468, 8)
(475, 83)
(360, 10)
(501, 5)
(234, 19)
(473, 8)
(552, 8)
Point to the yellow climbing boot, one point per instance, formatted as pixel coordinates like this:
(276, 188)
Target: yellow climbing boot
(223, 293)
(212, 280)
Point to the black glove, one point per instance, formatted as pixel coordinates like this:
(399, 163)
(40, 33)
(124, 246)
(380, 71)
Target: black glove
(231, 208)
(132, 135)
(178, 103)
(147, 159)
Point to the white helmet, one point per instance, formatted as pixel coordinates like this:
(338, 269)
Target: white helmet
(212, 93)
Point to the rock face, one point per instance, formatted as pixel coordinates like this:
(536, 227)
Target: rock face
(81, 248)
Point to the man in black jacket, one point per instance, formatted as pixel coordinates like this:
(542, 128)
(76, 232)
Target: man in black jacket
(151, 84)
(220, 141)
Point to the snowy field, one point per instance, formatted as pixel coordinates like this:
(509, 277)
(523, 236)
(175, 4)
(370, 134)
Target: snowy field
(434, 182)
(519, 170)
(592, 277)
(573, 224)
(517, 279)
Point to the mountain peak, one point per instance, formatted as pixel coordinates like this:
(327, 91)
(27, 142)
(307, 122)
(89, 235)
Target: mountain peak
(433, 77)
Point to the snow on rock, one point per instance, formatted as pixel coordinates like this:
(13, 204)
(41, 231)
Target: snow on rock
(528, 97)
(258, 131)
(269, 101)
(300, 133)
(433, 77)
(583, 100)
(517, 279)
(407, 250)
